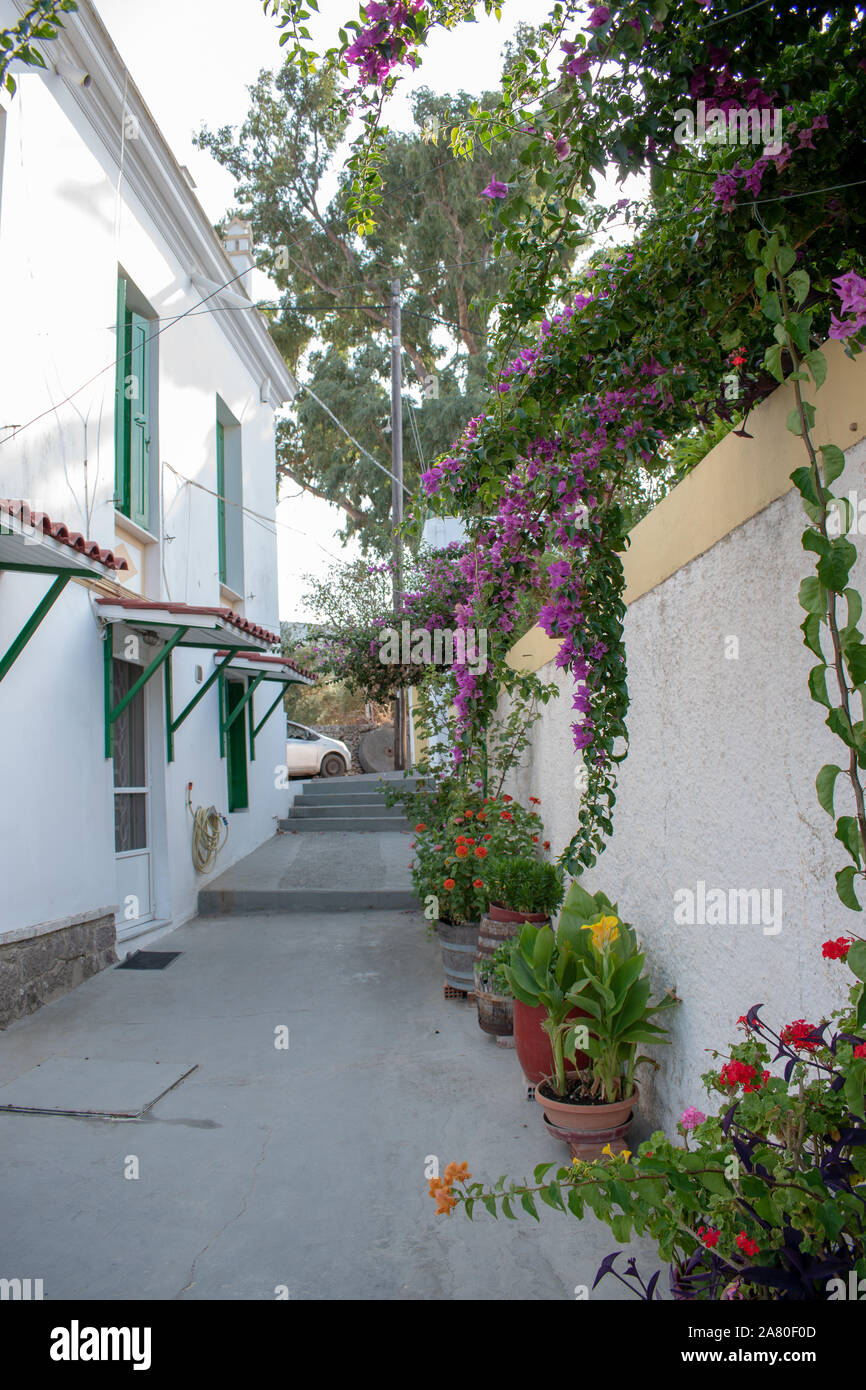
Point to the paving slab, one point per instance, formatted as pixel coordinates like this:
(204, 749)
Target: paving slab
(97, 1087)
(298, 1165)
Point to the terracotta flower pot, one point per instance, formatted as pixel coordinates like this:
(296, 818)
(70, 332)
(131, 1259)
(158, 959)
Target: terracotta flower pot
(589, 1127)
(534, 1052)
(500, 913)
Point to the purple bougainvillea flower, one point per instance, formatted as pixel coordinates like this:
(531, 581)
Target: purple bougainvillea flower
(598, 17)
(578, 66)
(495, 189)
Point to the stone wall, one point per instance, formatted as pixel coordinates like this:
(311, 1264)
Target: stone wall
(36, 969)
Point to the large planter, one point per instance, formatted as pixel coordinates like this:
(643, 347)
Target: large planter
(534, 1052)
(458, 953)
(499, 913)
(587, 1129)
(491, 934)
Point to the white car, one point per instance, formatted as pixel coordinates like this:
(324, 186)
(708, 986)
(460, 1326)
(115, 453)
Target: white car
(309, 754)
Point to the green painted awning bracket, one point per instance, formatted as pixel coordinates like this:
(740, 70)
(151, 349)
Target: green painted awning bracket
(225, 724)
(112, 711)
(42, 609)
(173, 724)
(255, 729)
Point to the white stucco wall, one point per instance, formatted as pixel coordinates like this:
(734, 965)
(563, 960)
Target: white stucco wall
(67, 222)
(718, 787)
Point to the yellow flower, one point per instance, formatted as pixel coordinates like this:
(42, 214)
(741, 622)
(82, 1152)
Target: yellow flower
(604, 932)
(626, 1154)
(608, 1151)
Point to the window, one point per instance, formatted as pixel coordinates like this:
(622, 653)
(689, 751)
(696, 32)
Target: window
(134, 409)
(230, 517)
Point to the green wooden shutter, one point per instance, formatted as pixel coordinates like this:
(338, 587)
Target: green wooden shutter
(121, 405)
(139, 421)
(237, 750)
(221, 505)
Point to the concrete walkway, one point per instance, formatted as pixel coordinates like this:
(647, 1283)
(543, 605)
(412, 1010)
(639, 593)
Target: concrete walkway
(266, 1167)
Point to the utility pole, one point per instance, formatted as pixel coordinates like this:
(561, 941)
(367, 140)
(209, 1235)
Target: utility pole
(397, 506)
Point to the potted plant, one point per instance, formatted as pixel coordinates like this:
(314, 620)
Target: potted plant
(493, 997)
(541, 969)
(593, 1110)
(524, 889)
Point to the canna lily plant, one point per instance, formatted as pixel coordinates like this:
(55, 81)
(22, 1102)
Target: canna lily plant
(614, 991)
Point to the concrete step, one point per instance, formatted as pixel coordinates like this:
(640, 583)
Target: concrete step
(214, 901)
(314, 798)
(356, 786)
(345, 822)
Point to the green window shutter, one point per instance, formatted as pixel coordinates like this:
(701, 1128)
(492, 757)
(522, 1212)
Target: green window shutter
(138, 388)
(221, 505)
(121, 405)
(236, 750)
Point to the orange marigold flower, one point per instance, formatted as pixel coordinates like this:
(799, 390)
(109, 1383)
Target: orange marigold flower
(480, 852)
(461, 851)
(469, 814)
(469, 840)
(488, 837)
(482, 815)
(449, 883)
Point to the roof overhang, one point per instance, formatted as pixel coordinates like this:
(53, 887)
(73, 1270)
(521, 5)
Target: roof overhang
(42, 546)
(216, 628)
(273, 668)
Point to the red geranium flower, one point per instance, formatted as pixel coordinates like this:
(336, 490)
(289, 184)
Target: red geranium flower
(796, 1034)
(860, 1050)
(488, 837)
(747, 1245)
(505, 815)
(708, 1235)
(545, 844)
(469, 814)
(535, 801)
(508, 798)
(742, 1074)
(478, 883)
(420, 826)
(838, 949)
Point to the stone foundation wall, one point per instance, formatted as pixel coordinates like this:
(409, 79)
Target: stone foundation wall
(37, 969)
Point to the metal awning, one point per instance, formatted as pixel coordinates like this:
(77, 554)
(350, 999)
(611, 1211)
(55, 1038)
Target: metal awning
(31, 543)
(179, 625)
(276, 670)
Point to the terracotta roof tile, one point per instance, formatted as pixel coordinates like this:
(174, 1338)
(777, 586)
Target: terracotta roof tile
(179, 609)
(58, 531)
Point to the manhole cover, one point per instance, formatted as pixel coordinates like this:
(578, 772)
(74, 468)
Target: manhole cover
(149, 960)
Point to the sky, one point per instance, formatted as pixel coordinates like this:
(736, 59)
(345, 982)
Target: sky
(193, 65)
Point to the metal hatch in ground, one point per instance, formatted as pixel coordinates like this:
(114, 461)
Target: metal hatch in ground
(96, 1088)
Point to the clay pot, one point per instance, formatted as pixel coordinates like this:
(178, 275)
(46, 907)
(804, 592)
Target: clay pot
(500, 913)
(589, 1127)
(534, 1052)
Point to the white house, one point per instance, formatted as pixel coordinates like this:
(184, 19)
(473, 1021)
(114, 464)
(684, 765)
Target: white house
(138, 388)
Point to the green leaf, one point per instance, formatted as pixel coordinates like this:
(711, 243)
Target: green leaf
(834, 462)
(845, 889)
(855, 660)
(539, 1171)
(812, 596)
(786, 258)
(817, 364)
(804, 481)
(773, 361)
(490, 1203)
(798, 283)
(552, 1197)
(811, 630)
(833, 569)
(528, 1203)
(848, 834)
(856, 959)
(825, 784)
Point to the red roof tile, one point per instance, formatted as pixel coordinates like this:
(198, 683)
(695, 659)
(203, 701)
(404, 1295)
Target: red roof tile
(39, 521)
(278, 660)
(179, 609)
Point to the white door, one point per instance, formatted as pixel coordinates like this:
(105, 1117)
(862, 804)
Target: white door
(131, 804)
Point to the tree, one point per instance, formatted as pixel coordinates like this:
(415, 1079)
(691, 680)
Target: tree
(333, 310)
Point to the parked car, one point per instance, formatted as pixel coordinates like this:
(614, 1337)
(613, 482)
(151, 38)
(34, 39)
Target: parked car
(309, 754)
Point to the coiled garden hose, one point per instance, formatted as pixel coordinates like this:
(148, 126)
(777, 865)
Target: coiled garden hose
(210, 830)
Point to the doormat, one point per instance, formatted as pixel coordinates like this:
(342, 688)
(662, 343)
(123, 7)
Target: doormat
(148, 960)
(96, 1087)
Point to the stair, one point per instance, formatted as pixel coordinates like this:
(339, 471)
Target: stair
(345, 803)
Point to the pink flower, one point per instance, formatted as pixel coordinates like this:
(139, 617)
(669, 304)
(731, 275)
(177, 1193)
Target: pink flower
(495, 189)
(691, 1118)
